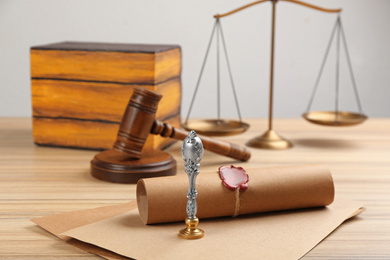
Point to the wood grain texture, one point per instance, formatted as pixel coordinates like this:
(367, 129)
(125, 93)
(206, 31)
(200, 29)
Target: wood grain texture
(97, 101)
(80, 90)
(106, 66)
(64, 132)
(37, 181)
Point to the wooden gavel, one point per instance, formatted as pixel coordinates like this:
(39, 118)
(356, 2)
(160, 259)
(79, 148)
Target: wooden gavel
(139, 121)
(126, 163)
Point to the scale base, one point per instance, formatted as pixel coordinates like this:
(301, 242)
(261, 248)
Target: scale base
(270, 140)
(114, 166)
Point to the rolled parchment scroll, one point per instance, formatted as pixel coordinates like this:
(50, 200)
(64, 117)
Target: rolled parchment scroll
(161, 199)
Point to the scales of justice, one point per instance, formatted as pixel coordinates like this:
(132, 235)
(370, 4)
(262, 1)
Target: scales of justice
(271, 139)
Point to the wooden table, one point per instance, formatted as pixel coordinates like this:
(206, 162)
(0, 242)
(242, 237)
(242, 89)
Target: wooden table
(37, 181)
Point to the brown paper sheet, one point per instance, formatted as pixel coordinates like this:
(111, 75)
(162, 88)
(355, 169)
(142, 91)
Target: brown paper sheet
(57, 224)
(281, 235)
(270, 189)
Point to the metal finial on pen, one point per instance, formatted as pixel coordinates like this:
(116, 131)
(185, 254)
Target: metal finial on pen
(192, 152)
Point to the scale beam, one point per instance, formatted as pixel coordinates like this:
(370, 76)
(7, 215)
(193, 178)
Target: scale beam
(217, 16)
(239, 9)
(327, 10)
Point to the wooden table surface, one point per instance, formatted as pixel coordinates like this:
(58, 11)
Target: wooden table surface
(38, 181)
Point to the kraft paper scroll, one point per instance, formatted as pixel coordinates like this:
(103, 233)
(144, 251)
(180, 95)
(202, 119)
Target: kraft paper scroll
(270, 189)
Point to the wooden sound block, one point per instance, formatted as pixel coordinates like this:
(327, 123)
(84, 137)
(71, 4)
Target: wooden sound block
(114, 166)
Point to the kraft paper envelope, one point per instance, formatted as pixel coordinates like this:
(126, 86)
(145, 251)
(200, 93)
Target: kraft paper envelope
(278, 235)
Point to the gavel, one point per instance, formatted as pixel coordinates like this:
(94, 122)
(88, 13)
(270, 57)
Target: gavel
(139, 121)
(125, 162)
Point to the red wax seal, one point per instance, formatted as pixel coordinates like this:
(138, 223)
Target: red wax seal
(234, 177)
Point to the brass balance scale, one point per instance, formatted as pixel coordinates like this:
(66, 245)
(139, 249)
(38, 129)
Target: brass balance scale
(271, 139)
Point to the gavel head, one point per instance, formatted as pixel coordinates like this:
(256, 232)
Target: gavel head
(137, 122)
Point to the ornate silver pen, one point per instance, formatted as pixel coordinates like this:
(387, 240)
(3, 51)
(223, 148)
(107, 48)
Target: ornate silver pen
(192, 152)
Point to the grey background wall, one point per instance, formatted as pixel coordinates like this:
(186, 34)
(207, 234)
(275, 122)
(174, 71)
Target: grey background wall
(301, 38)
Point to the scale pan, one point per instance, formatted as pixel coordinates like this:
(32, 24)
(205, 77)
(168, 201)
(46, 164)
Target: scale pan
(332, 118)
(216, 127)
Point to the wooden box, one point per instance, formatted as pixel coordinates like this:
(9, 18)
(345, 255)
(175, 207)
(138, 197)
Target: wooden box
(80, 90)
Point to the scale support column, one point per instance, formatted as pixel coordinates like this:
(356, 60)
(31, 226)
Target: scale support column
(270, 139)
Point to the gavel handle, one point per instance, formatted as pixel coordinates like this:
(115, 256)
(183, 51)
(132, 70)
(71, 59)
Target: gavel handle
(216, 146)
